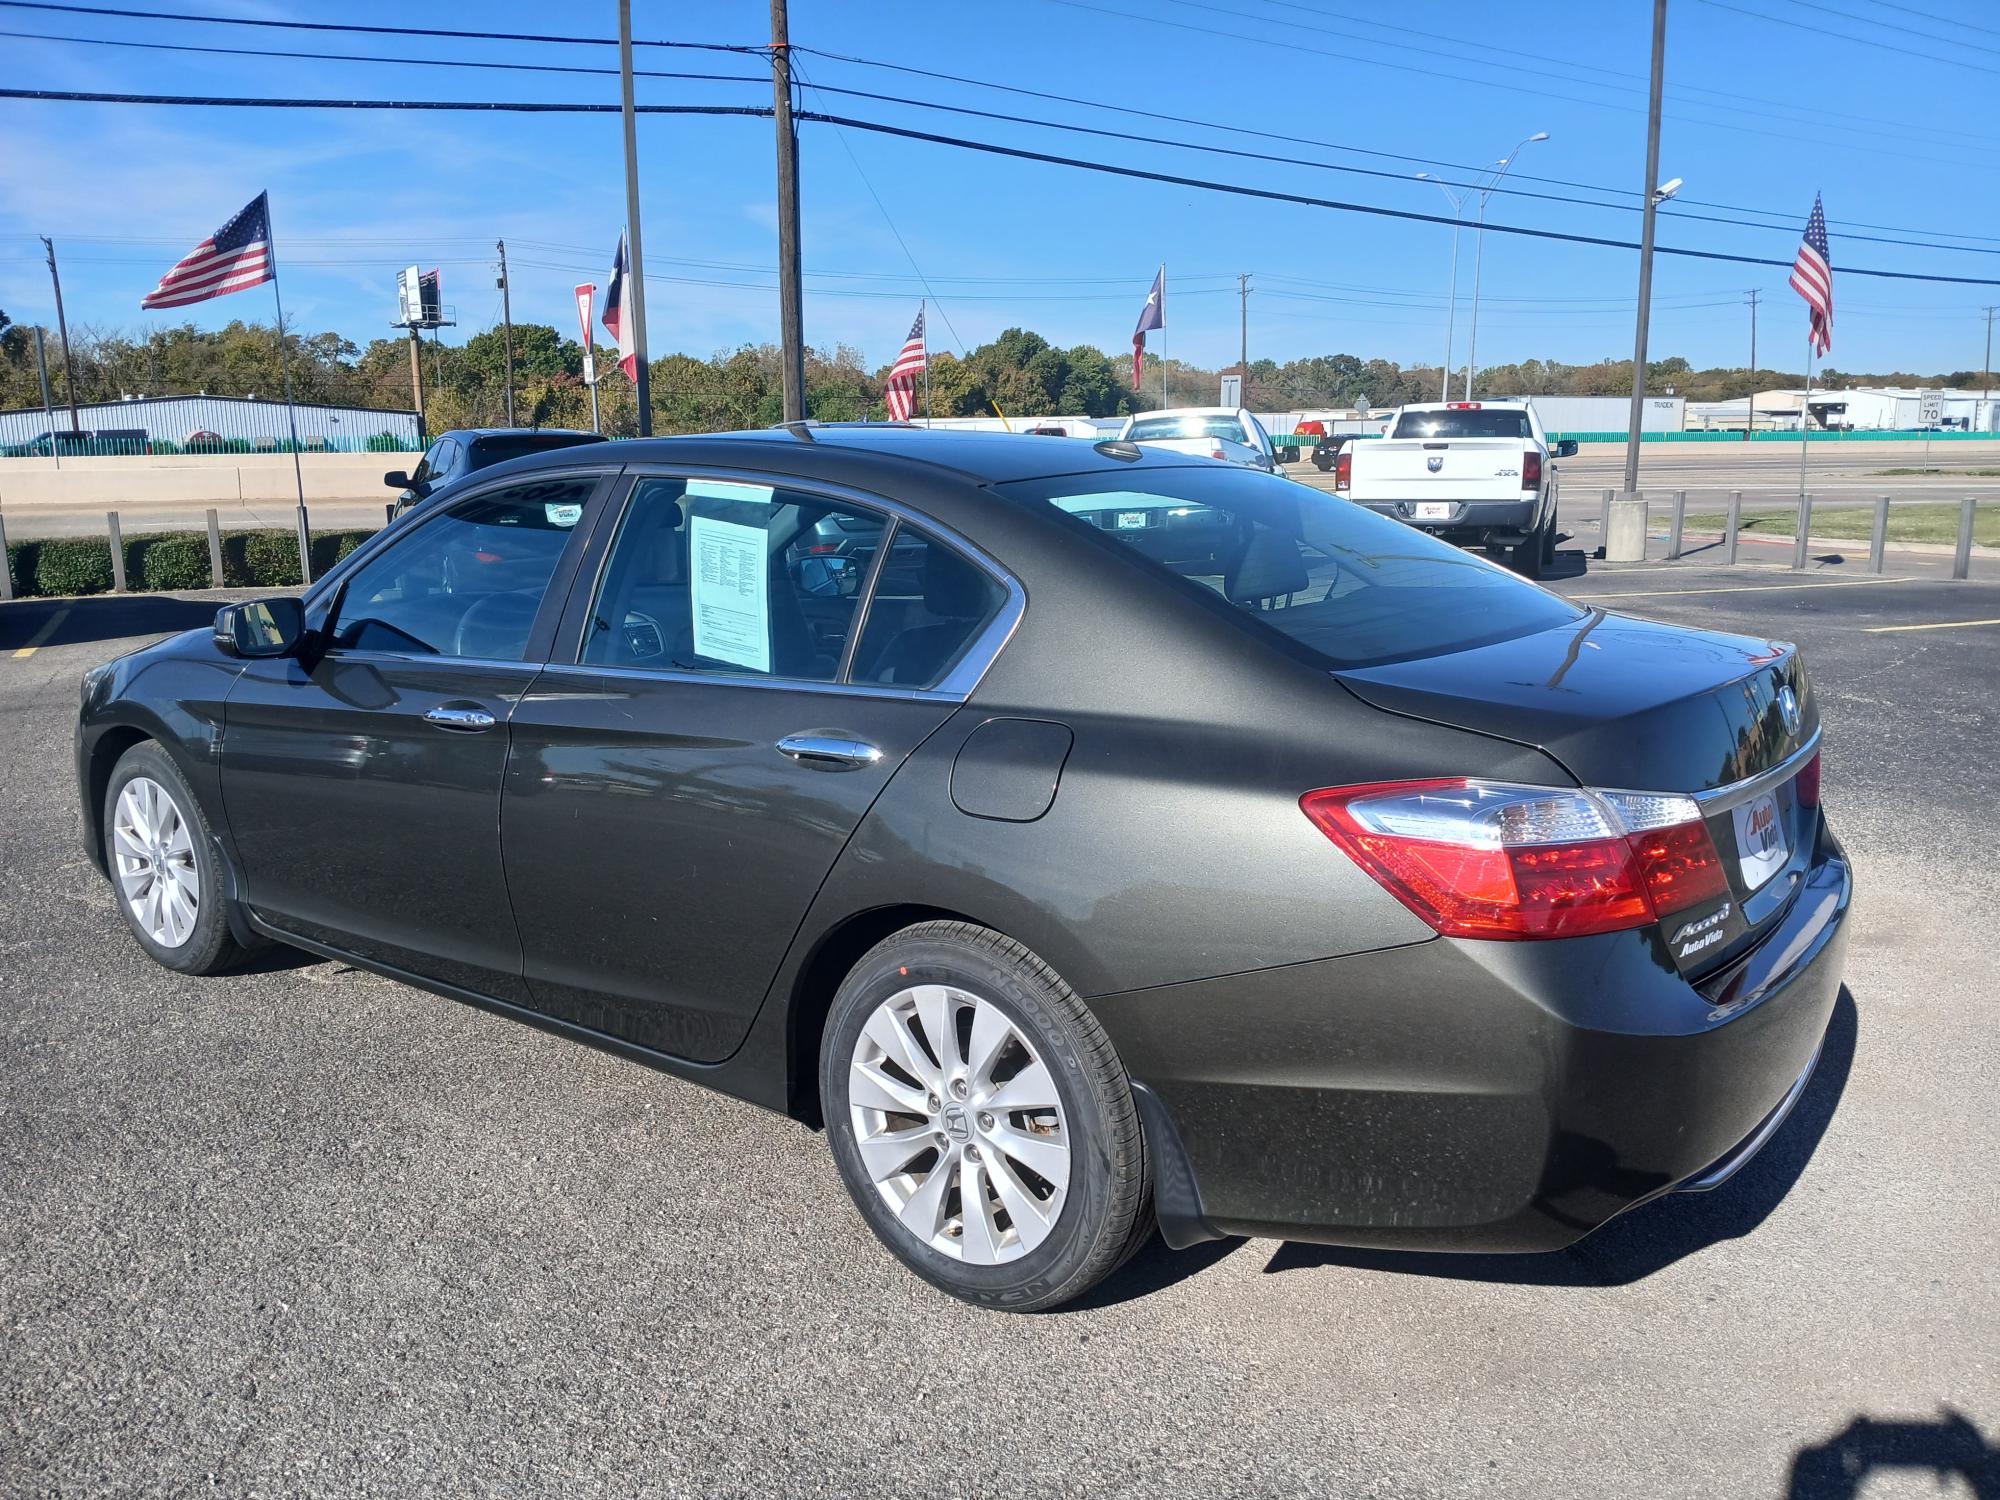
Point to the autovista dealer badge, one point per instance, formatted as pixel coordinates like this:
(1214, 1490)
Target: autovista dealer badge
(1703, 932)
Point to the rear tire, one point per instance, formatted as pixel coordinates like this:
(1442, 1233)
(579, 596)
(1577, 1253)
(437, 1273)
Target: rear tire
(981, 1121)
(1527, 554)
(165, 874)
(1549, 538)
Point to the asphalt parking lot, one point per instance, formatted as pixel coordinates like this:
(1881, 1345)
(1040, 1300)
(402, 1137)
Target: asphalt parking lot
(304, 1231)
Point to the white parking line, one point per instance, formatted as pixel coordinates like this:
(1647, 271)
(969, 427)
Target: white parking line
(1941, 625)
(49, 627)
(1764, 588)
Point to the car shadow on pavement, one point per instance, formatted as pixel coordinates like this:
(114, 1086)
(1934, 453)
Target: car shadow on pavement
(1950, 1447)
(104, 617)
(1654, 1235)
(1153, 1268)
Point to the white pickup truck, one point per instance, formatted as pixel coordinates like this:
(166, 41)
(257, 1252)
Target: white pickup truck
(1469, 471)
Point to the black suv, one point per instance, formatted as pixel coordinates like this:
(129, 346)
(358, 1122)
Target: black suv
(456, 454)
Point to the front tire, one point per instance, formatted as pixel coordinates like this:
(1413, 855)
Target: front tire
(981, 1120)
(164, 875)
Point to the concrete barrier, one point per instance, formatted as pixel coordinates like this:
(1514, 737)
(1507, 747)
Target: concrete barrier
(195, 479)
(1625, 536)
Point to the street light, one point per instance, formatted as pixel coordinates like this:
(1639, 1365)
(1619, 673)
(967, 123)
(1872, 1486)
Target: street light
(1457, 202)
(1479, 254)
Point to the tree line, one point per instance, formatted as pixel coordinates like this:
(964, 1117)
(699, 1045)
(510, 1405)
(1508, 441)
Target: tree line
(1020, 373)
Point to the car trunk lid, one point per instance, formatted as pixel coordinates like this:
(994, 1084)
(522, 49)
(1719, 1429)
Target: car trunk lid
(1626, 704)
(1438, 468)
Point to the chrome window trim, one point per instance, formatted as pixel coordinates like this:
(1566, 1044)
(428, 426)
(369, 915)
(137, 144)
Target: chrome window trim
(724, 679)
(955, 686)
(1717, 798)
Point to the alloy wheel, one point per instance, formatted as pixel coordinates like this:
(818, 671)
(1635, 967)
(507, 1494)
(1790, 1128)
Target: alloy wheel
(958, 1124)
(157, 873)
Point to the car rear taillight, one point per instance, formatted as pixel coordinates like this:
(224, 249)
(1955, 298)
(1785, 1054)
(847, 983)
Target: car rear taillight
(1343, 469)
(1531, 471)
(1483, 859)
(1805, 786)
(1216, 451)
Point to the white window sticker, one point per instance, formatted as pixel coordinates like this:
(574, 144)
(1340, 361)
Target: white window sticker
(732, 610)
(563, 515)
(720, 489)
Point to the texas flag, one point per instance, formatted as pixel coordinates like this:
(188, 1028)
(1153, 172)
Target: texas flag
(614, 313)
(1154, 316)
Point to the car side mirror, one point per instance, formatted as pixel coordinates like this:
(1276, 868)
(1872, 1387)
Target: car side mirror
(396, 479)
(261, 627)
(1566, 448)
(829, 577)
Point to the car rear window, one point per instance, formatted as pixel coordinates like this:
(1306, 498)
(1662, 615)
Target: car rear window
(495, 450)
(1145, 429)
(1337, 583)
(1462, 424)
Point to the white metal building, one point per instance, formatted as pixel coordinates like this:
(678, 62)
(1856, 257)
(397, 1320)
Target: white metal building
(1866, 409)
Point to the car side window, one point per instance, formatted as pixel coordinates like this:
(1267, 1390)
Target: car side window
(1263, 437)
(930, 604)
(467, 582)
(738, 580)
(427, 466)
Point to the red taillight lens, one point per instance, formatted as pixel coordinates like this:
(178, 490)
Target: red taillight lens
(1343, 469)
(1486, 860)
(1531, 471)
(1805, 786)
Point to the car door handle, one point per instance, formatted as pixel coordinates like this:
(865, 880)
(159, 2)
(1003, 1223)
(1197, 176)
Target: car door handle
(827, 752)
(460, 718)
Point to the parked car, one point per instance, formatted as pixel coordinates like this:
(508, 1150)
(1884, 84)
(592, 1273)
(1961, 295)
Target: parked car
(1225, 432)
(1328, 449)
(456, 454)
(1475, 472)
(1139, 840)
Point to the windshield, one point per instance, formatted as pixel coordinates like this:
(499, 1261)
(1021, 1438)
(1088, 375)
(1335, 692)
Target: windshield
(1151, 428)
(1462, 424)
(1340, 583)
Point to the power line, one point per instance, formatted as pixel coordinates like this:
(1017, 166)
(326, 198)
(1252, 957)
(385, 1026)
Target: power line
(1326, 145)
(1910, 10)
(355, 27)
(1877, 45)
(1904, 28)
(962, 143)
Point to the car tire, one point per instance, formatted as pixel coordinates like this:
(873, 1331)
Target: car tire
(165, 872)
(933, 1024)
(1549, 531)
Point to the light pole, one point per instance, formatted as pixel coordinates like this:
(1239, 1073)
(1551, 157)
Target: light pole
(1457, 202)
(1656, 193)
(1479, 254)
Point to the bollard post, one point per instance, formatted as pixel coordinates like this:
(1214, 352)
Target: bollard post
(117, 552)
(1961, 564)
(1878, 536)
(1735, 524)
(1680, 519)
(1805, 529)
(214, 551)
(6, 566)
(1625, 537)
(1603, 521)
(305, 548)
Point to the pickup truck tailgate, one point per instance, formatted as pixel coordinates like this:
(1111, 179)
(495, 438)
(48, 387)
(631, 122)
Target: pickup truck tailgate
(1437, 469)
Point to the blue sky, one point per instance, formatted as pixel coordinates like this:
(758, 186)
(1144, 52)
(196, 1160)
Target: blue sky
(1765, 105)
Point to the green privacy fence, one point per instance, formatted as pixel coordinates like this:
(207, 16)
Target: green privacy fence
(91, 445)
(1903, 435)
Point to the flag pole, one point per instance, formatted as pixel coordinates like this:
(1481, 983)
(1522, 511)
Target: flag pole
(924, 316)
(284, 356)
(1164, 403)
(1805, 419)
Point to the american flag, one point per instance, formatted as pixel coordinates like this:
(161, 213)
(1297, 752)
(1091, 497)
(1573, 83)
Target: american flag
(901, 387)
(236, 257)
(1812, 279)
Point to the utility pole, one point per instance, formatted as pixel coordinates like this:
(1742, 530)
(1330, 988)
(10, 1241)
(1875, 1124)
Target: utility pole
(1243, 358)
(1750, 417)
(62, 332)
(637, 289)
(507, 323)
(1986, 371)
(1652, 203)
(1503, 166)
(417, 382)
(791, 312)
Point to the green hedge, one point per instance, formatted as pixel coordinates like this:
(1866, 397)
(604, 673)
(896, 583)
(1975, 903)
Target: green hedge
(171, 560)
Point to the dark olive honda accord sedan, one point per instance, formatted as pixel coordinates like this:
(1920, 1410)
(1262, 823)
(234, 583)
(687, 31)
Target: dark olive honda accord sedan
(1088, 838)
